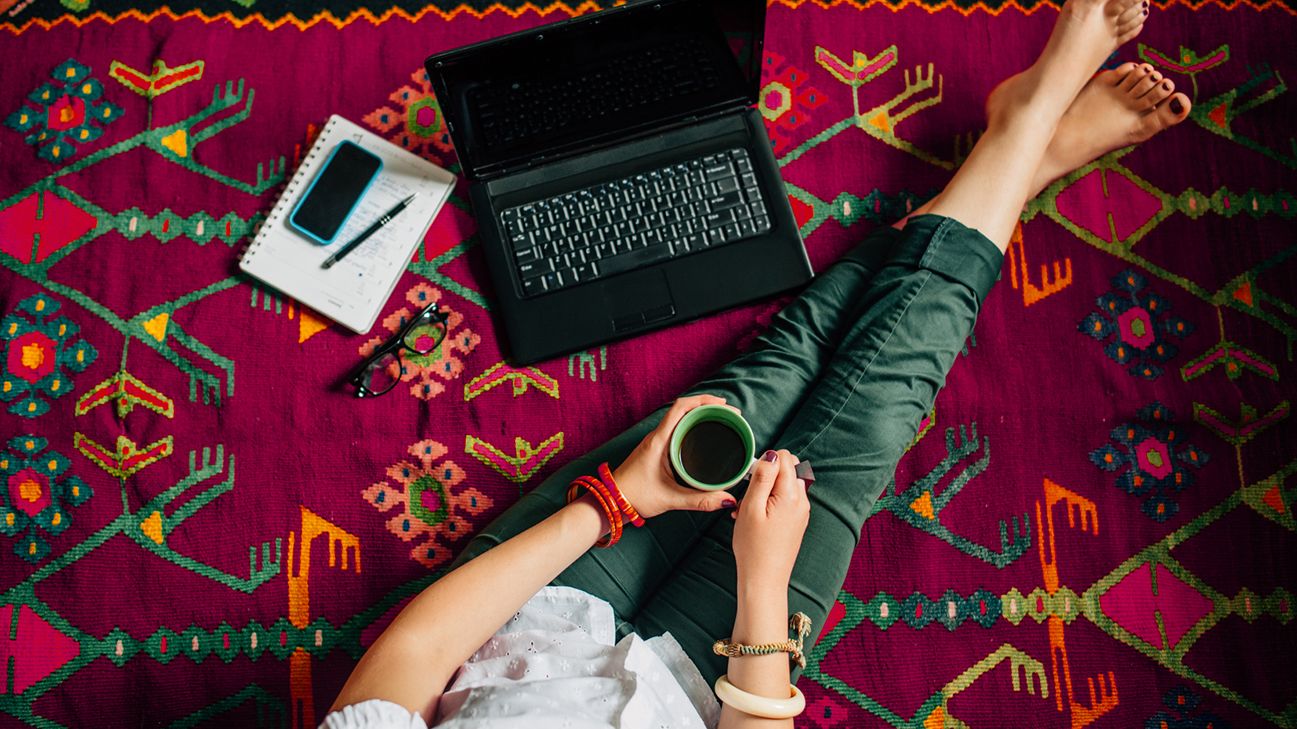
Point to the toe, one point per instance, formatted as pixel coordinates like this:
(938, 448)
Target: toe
(1116, 8)
(1127, 29)
(1125, 38)
(1158, 94)
(1167, 114)
(1134, 77)
(1118, 75)
(1146, 84)
(1130, 16)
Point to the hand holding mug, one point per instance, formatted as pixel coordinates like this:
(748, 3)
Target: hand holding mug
(646, 478)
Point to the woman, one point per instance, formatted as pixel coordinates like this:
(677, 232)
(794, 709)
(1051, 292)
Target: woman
(842, 378)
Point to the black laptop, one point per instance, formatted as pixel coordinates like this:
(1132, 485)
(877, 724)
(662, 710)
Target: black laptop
(620, 177)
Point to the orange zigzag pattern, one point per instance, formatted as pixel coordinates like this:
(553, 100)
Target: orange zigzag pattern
(584, 7)
(323, 16)
(1014, 5)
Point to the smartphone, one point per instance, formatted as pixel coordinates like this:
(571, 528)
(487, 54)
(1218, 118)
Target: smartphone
(335, 191)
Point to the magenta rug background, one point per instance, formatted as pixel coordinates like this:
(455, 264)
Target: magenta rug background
(199, 527)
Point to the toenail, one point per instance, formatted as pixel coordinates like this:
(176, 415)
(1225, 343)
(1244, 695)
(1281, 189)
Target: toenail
(1176, 106)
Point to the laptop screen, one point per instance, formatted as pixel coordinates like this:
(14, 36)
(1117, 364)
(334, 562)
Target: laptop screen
(596, 79)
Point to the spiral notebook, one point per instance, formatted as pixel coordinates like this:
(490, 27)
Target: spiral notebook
(354, 290)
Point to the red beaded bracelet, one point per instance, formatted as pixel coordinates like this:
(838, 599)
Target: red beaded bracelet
(605, 475)
(606, 502)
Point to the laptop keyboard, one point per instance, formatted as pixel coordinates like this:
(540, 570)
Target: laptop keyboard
(634, 222)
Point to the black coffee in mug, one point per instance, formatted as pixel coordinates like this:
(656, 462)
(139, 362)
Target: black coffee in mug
(712, 452)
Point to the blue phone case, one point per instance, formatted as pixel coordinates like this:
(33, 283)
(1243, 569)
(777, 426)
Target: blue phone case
(320, 173)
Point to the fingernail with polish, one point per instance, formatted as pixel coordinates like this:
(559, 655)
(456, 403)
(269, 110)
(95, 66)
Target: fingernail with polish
(770, 457)
(1176, 106)
(729, 504)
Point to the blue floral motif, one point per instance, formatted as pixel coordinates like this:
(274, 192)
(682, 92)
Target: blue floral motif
(67, 112)
(34, 495)
(1184, 714)
(39, 353)
(1136, 321)
(1156, 460)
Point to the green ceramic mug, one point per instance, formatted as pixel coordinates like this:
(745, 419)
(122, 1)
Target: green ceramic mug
(712, 448)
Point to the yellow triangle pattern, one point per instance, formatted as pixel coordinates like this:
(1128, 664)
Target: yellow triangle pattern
(923, 506)
(157, 326)
(152, 527)
(178, 142)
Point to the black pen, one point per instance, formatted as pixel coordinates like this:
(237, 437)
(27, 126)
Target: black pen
(378, 224)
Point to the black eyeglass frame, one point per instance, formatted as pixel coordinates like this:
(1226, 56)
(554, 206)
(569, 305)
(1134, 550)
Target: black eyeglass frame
(395, 345)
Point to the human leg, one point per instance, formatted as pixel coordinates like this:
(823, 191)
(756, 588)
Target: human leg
(1117, 108)
(916, 314)
(988, 191)
(853, 426)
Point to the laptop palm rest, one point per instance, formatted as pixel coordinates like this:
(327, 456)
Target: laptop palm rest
(638, 299)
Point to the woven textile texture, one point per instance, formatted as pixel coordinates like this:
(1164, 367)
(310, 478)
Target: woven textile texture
(199, 526)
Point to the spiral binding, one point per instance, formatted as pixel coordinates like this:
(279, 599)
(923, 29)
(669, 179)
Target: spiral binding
(289, 192)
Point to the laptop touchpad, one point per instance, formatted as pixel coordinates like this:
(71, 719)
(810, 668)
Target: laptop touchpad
(638, 299)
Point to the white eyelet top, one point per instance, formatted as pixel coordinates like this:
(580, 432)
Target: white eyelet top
(554, 665)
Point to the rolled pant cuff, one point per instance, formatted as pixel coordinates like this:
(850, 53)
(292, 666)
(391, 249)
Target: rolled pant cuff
(940, 244)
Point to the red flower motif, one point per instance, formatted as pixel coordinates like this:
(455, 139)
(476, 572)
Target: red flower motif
(32, 356)
(65, 113)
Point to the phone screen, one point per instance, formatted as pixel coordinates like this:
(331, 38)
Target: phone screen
(335, 192)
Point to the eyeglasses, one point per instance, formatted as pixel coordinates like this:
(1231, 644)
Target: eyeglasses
(380, 372)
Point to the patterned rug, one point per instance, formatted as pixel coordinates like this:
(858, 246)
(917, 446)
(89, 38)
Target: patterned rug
(199, 527)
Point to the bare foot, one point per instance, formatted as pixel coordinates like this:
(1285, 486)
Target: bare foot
(1117, 108)
(1085, 34)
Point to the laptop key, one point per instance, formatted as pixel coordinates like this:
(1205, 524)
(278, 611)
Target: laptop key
(527, 255)
(533, 286)
(721, 202)
(718, 219)
(728, 184)
(584, 272)
(717, 171)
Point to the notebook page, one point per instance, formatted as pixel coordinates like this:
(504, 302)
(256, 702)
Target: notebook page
(355, 288)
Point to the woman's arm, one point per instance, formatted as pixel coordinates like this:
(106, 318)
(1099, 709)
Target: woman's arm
(767, 536)
(415, 657)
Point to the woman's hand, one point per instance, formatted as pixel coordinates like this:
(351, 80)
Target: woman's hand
(771, 522)
(645, 477)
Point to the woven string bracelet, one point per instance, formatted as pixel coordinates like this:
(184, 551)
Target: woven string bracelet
(797, 623)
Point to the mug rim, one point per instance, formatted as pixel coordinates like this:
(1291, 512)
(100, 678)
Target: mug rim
(709, 413)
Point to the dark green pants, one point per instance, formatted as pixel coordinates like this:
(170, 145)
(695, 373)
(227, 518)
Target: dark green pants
(842, 379)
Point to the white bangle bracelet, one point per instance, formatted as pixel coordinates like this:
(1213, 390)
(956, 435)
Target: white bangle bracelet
(762, 706)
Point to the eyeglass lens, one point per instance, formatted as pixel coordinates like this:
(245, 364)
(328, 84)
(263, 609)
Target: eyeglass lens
(424, 336)
(383, 374)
